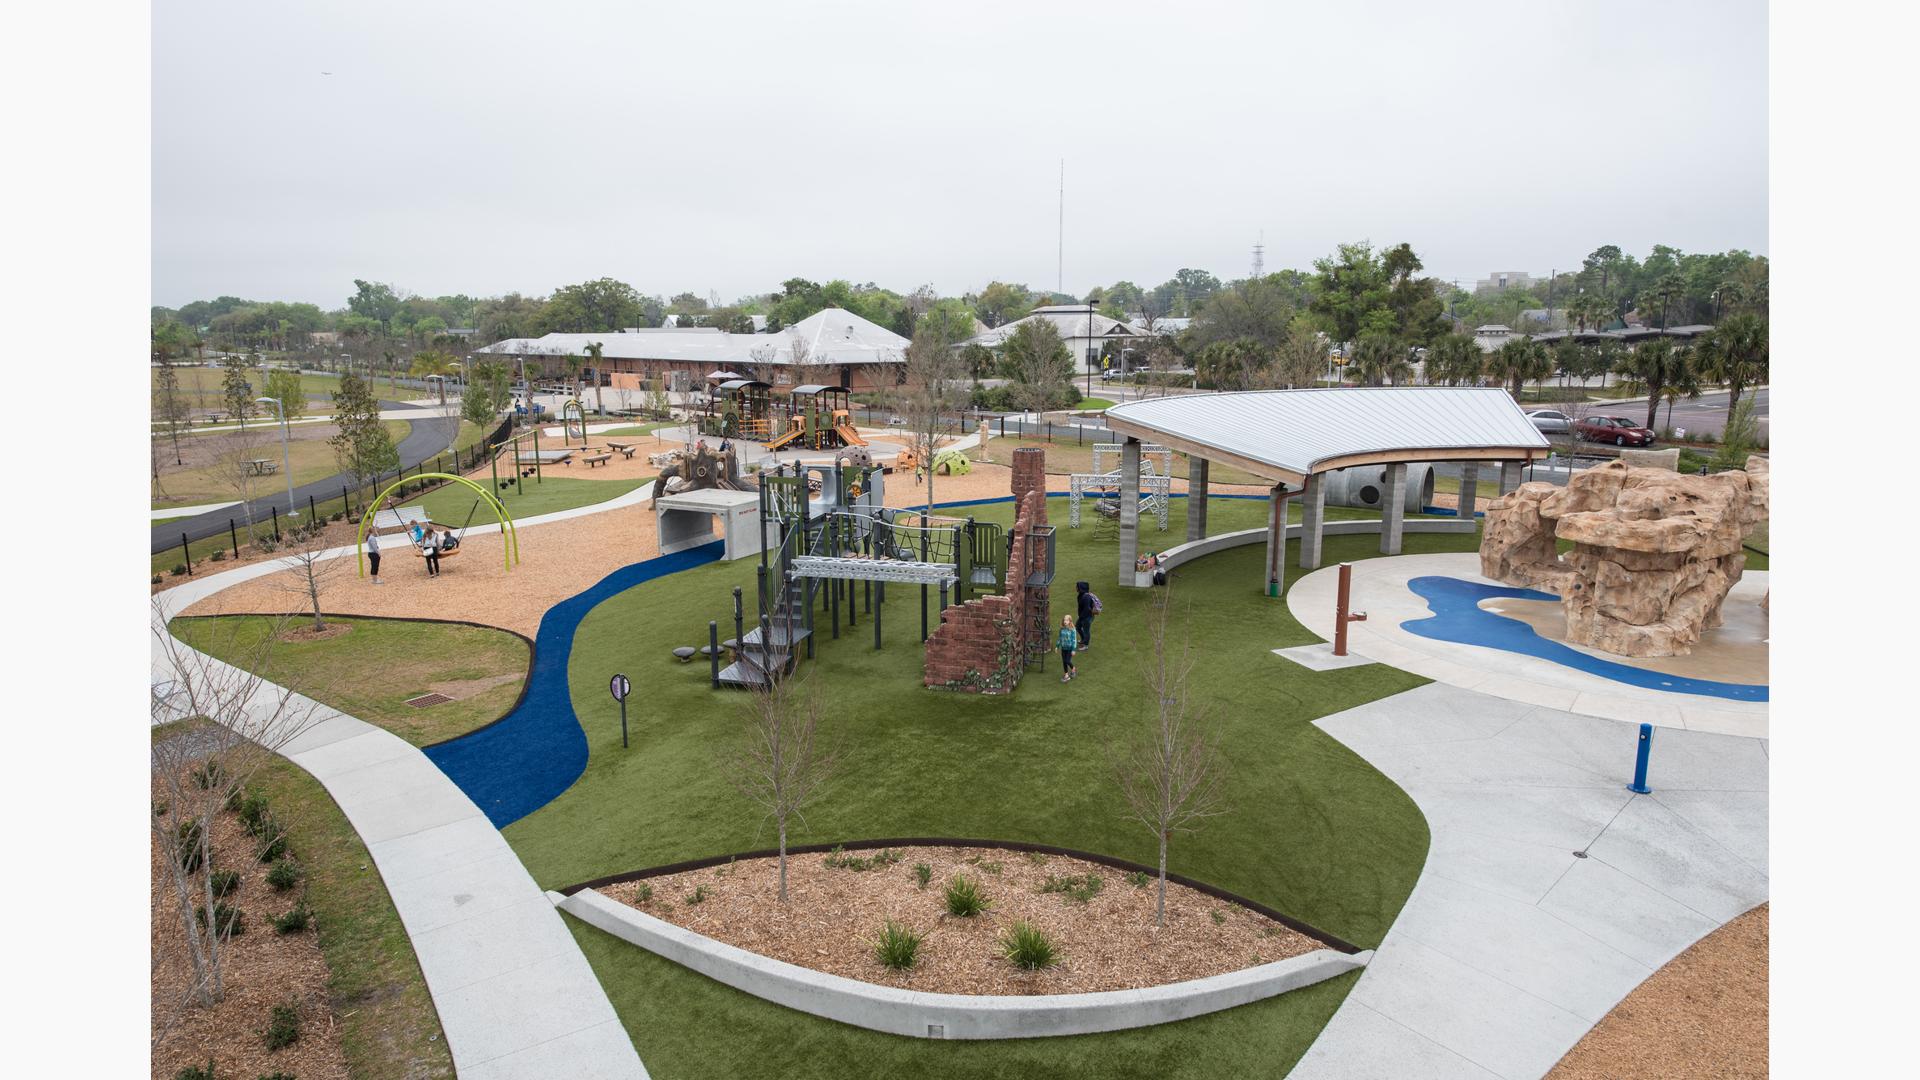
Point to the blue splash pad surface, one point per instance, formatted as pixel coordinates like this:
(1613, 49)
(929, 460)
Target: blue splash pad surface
(1458, 617)
(524, 760)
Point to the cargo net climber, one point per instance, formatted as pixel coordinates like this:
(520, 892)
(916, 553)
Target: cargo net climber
(837, 557)
(1156, 484)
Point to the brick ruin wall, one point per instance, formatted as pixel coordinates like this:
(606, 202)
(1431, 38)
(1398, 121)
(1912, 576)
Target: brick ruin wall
(980, 646)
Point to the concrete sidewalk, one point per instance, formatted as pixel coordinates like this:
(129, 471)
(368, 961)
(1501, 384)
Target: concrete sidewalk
(515, 996)
(1512, 945)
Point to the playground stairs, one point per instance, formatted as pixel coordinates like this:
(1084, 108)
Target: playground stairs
(761, 658)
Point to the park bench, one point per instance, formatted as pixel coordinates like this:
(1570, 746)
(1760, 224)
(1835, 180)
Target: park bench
(597, 459)
(624, 448)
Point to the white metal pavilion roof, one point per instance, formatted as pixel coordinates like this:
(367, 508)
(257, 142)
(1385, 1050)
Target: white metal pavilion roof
(1290, 434)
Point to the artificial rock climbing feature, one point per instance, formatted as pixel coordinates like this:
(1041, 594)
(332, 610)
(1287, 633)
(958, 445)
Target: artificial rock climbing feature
(1654, 552)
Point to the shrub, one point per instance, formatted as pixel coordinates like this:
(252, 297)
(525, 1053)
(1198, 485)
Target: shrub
(1028, 947)
(643, 892)
(235, 796)
(697, 895)
(179, 569)
(1078, 888)
(897, 947)
(219, 555)
(187, 838)
(273, 846)
(922, 874)
(195, 1072)
(227, 921)
(284, 874)
(840, 860)
(1139, 878)
(207, 775)
(266, 545)
(156, 579)
(293, 922)
(225, 881)
(160, 808)
(1218, 918)
(964, 898)
(284, 1027)
(253, 813)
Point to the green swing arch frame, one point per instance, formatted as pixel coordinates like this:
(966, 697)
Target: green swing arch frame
(510, 551)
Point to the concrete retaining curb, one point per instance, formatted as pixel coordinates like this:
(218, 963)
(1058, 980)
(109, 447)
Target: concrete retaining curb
(1194, 549)
(950, 1016)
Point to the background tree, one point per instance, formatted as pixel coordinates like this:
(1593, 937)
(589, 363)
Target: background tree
(1302, 356)
(595, 351)
(375, 301)
(1735, 353)
(931, 397)
(1378, 358)
(1258, 311)
(1456, 360)
(602, 305)
(1655, 365)
(236, 386)
(361, 446)
(1518, 362)
(284, 385)
(1000, 303)
(1037, 366)
(781, 764)
(171, 411)
(1237, 364)
(1171, 777)
(1351, 291)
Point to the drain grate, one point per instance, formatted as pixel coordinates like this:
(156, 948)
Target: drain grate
(425, 700)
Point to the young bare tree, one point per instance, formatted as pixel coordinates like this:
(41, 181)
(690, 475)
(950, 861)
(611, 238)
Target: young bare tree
(1171, 776)
(930, 400)
(237, 469)
(309, 570)
(781, 764)
(172, 414)
(216, 726)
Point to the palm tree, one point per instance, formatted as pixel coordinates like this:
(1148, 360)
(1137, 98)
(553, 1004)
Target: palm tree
(1520, 361)
(1377, 358)
(594, 349)
(1666, 292)
(574, 365)
(1654, 366)
(1456, 359)
(1735, 353)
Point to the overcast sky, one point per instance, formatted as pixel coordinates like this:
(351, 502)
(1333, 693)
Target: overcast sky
(490, 147)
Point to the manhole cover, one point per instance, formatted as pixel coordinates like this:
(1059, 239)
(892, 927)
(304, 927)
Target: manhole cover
(425, 700)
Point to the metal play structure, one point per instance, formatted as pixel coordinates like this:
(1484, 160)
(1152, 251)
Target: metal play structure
(510, 547)
(818, 418)
(739, 409)
(1156, 485)
(815, 553)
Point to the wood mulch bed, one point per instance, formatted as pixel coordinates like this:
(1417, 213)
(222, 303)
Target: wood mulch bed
(262, 969)
(1703, 1015)
(1108, 942)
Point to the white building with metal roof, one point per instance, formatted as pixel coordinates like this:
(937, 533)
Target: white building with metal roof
(1081, 326)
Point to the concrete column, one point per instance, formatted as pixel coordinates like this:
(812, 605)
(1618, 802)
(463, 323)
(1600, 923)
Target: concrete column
(1510, 476)
(1313, 519)
(1274, 579)
(1393, 508)
(1196, 498)
(1469, 499)
(1129, 509)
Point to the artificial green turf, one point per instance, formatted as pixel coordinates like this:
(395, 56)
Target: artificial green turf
(1312, 829)
(451, 503)
(638, 429)
(687, 1025)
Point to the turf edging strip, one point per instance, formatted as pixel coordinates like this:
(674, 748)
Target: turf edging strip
(951, 1016)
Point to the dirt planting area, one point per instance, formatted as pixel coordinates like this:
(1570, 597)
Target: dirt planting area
(1099, 920)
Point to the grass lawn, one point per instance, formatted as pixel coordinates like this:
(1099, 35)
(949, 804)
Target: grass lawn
(450, 504)
(1312, 829)
(202, 385)
(1064, 455)
(389, 1028)
(372, 670)
(637, 429)
(207, 473)
(1094, 403)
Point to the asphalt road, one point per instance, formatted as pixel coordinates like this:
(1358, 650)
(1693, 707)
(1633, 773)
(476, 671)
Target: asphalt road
(426, 437)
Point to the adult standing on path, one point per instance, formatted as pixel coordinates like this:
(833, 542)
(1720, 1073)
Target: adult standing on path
(1088, 607)
(373, 553)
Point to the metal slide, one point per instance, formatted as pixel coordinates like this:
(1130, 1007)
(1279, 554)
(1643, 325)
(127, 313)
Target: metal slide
(848, 435)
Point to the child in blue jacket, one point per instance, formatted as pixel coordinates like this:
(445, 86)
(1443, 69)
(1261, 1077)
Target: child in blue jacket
(1069, 641)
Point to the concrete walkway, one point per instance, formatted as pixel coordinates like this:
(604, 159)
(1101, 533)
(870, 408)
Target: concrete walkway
(514, 994)
(1512, 946)
(191, 511)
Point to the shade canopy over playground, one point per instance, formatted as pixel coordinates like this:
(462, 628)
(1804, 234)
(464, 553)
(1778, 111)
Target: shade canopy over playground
(1295, 437)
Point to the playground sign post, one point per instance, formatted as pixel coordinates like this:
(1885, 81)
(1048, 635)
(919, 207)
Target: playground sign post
(620, 687)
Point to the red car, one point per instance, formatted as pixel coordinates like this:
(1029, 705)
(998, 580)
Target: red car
(1617, 430)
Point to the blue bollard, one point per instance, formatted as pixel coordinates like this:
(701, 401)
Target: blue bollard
(1639, 785)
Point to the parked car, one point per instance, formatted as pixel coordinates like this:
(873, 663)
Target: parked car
(1617, 430)
(1548, 422)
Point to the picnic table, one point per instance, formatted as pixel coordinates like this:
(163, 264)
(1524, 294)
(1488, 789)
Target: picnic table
(262, 466)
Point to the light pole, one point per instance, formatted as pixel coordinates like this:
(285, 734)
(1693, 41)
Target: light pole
(1090, 354)
(286, 464)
